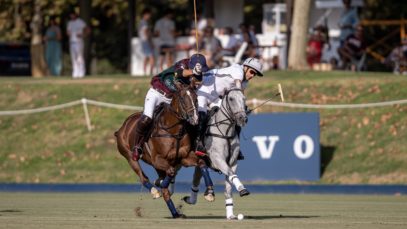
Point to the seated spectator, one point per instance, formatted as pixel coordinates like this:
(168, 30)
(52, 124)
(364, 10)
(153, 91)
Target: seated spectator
(210, 46)
(352, 50)
(164, 29)
(398, 58)
(245, 36)
(253, 38)
(334, 63)
(315, 46)
(232, 43)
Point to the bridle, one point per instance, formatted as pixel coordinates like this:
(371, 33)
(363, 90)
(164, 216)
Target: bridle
(182, 119)
(228, 109)
(183, 115)
(230, 119)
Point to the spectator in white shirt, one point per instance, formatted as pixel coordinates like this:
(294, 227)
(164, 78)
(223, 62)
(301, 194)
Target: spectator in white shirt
(232, 44)
(76, 31)
(164, 28)
(147, 46)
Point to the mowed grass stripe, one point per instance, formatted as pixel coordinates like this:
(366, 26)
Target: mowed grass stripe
(138, 210)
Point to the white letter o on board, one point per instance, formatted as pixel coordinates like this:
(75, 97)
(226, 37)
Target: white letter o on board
(309, 147)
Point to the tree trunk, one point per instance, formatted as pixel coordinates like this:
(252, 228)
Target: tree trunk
(130, 33)
(289, 20)
(38, 65)
(298, 41)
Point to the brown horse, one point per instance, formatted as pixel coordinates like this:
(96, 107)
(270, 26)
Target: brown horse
(168, 146)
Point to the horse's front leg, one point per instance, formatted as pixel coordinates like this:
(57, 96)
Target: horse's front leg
(164, 184)
(167, 198)
(236, 181)
(229, 199)
(144, 180)
(219, 161)
(167, 172)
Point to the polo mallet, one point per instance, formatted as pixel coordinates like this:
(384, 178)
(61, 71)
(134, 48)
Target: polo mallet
(275, 94)
(196, 28)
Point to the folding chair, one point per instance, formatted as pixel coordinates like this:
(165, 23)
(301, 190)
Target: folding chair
(229, 60)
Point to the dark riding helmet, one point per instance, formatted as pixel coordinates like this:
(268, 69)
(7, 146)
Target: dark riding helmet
(198, 59)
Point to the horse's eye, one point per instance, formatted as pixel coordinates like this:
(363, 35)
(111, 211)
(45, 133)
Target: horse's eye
(231, 98)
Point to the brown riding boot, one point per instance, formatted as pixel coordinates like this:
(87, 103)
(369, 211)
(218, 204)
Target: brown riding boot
(201, 129)
(142, 127)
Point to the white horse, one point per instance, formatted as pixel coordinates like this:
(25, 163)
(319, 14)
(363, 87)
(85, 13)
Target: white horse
(223, 146)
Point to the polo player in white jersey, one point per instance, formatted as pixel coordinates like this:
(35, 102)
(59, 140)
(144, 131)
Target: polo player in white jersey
(214, 85)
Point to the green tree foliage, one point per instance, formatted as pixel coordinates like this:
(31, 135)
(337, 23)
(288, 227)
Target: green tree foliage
(108, 24)
(109, 21)
(382, 10)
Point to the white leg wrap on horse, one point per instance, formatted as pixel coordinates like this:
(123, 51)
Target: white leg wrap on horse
(236, 182)
(194, 194)
(229, 208)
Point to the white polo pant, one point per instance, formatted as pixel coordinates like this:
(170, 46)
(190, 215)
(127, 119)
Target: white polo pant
(153, 98)
(77, 58)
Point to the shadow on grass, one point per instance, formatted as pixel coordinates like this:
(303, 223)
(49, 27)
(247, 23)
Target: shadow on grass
(11, 210)
(327, 154)
(256, 217)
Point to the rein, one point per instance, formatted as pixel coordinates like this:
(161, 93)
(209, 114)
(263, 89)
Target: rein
(230, 121)
(182, 119)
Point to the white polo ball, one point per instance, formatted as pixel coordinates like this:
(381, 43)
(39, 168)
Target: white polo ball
(240, 216)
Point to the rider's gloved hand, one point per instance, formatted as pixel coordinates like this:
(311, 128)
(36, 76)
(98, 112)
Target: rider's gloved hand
(197, 70)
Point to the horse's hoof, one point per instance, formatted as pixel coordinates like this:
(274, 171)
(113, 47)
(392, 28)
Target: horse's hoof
(155, 193)
(209, 195)
(231, 217)
(179, 216)
(244, 192)
(210, 198)
(186, 200)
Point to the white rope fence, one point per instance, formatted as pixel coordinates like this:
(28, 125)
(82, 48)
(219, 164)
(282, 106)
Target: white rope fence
(84, 103)
(254, 102)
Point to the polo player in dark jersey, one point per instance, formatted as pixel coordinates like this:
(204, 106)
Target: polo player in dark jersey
(161, 91)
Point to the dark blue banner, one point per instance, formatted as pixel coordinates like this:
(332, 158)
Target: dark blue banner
(281, 146)
(276, 146)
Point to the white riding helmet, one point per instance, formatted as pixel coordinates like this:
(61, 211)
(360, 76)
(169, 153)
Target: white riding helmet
(255, 64)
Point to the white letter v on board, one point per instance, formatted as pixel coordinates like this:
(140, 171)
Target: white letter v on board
(261, 141)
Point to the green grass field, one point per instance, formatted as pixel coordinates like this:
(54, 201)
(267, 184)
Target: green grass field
(358, 146)
(135, 210)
